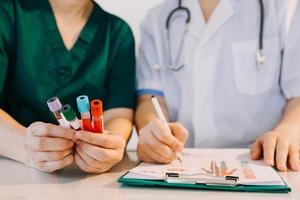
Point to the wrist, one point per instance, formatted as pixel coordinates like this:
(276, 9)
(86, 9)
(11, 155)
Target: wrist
(124, 137)
(22, 151)
(15, 148)
(287, 128)
(147, 121)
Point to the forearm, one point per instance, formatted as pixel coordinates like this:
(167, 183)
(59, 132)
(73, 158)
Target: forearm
(12, 137)
(291, 117)
(119, 121)
(120, 126)
(145, 111)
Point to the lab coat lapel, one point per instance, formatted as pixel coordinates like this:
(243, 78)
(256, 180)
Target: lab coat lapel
(223, 12)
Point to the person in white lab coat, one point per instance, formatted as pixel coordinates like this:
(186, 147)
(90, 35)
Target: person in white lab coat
(222, 96)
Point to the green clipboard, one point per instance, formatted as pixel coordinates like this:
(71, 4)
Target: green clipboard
(237, 188)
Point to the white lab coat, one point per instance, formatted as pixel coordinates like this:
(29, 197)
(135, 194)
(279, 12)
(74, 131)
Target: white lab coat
(221, 96)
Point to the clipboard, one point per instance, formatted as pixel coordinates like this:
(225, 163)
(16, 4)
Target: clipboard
(204, 170)
(229, 183)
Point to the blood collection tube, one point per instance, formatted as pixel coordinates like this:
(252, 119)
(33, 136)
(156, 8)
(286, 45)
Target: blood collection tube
(70, 115)
(83, 105)
(55, 106)
(97, 113)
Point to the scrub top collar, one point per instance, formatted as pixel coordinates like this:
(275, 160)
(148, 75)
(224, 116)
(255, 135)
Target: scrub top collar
(61, 55)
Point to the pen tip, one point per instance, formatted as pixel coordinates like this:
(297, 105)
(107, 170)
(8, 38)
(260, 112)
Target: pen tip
(179, 159)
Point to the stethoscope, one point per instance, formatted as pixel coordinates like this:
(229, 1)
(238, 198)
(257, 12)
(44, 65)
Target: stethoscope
(175, 66)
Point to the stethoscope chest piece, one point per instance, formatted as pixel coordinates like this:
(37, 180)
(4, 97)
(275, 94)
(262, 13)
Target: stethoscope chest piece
(260, 59)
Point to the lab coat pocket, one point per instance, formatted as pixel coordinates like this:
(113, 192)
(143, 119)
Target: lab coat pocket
(249, 78)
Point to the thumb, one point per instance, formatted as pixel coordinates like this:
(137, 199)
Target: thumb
(257, 149)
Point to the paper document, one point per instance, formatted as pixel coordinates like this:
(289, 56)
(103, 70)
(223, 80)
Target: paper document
(249, 172)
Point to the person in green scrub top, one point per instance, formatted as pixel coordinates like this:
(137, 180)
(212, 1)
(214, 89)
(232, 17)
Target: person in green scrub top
(63, 48)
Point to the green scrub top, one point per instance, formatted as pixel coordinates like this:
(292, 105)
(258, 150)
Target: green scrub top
(35, 64)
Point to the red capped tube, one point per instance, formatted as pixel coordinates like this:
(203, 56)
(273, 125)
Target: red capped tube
(97, 113)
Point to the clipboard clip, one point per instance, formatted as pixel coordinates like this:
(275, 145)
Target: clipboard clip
(209, 180)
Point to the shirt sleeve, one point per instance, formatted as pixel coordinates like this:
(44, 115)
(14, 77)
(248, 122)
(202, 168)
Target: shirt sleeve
(290, 79)
(5, 43)
(121, 81)
(148, 76)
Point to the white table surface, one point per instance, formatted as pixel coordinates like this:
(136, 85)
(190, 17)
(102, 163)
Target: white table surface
(18, 182)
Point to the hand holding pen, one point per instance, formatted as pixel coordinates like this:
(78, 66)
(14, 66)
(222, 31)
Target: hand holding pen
(159, 141)
(162, 118)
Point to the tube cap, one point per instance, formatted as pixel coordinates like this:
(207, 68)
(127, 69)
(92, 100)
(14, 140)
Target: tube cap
(83, 104)
(54, 104)
(96, 107)
(68, 112)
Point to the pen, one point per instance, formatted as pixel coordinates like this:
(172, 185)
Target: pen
(161, 116)
(70, 115)
(97, 113)
(83, 105)
(55, 106)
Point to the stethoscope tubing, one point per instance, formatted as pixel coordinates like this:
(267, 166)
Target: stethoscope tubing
(262, 21)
